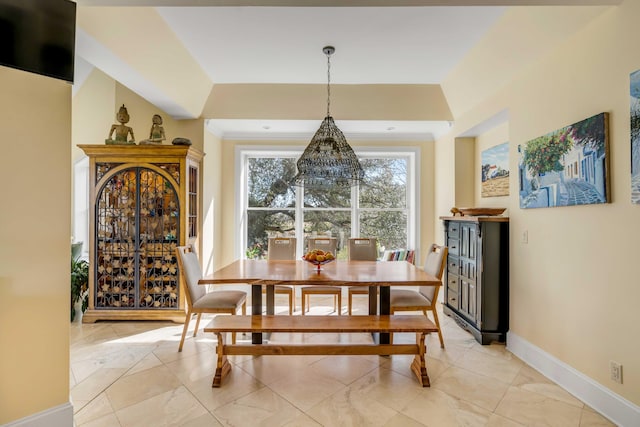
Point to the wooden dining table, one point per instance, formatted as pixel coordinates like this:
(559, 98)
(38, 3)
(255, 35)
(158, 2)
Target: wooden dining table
(378, 276)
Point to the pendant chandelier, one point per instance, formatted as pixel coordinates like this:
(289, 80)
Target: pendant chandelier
(328, 160)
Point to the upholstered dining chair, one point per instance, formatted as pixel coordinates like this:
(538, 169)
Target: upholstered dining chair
(326, 244)
(198, 299)
(426, 297)
(282, 248)
(360, 249)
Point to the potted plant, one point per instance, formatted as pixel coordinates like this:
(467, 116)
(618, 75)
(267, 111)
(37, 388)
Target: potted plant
(79, 286)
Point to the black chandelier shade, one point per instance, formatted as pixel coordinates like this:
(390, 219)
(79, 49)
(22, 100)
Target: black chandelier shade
(328, 159)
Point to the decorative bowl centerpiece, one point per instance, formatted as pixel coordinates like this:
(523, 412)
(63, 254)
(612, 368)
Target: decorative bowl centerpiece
(319, 257)
(478, 211)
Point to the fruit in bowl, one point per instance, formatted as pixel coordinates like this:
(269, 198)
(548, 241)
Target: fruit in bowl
(318, 257)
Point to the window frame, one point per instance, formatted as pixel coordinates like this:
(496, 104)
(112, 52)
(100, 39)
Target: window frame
(244, 152)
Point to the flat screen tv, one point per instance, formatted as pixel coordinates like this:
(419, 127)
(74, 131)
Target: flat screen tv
(38, 36)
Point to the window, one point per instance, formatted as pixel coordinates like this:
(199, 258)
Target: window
(81, 204)
(383, 206)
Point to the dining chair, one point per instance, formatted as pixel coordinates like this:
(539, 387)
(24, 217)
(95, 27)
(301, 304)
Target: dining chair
(282, 248)
(327, 244)
(360, 249)
(198, 299)
(426, 297)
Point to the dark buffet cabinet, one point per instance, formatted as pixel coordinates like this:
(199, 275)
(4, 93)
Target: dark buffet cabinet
(476, 280)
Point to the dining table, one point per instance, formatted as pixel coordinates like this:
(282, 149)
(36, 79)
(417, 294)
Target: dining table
(378, 276)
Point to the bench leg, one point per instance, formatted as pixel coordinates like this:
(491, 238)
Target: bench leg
(302, 300)
(223, 367)
(419, 366)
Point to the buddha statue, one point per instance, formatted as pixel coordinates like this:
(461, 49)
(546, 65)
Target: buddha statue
(121, 131)
(156, 135)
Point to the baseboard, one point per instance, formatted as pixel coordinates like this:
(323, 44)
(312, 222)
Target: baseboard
(58, 416)
(611, 405)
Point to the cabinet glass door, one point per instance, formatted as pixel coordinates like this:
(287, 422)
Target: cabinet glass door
(137, 226)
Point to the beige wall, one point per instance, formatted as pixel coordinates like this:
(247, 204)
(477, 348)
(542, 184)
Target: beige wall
(465, 171)
(228, 168)
(96, 104)
(573, 289)
(92, 111)
(35, 248)
(212, 196)
(141, 38)
(308, 102)
(141, 113)
(520, 34)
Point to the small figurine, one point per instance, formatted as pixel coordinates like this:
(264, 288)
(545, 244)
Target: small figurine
(122, 131)
(156, 135)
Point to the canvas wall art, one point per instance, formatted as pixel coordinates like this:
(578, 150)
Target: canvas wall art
(567, 167)
(495, 171)
(635, 136)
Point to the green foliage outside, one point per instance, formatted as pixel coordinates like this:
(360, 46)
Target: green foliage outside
(272, 202)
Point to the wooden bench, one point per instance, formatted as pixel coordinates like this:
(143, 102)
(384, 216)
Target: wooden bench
(421, 325)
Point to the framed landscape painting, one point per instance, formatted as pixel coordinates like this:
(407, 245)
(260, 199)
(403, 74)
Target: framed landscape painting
(635, 136)
(495, 171)
(567, 167)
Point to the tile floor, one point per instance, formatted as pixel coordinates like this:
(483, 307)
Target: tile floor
(131, 374)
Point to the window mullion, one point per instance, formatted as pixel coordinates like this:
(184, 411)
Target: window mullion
(355, 213)
(300, 220)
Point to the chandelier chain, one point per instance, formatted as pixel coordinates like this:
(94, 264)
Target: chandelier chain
(328, 82)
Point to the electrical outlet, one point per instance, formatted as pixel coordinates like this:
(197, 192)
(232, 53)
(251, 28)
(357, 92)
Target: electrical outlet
(525, 236)
(616, 371)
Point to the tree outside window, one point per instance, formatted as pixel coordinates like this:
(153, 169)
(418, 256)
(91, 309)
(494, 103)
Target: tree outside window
(275, 207)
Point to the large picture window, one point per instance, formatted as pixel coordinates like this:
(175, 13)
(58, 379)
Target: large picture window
(270, 205)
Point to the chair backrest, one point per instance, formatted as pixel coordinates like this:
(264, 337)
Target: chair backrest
(281, 248)
(434, 264)
(190, 272)
(363, 249)
(325, 243)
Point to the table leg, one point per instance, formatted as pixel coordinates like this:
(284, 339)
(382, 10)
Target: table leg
(373, 300)
(256, 310)
(271, 299)
(271, 307)
(385, 299)
(385, 308)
